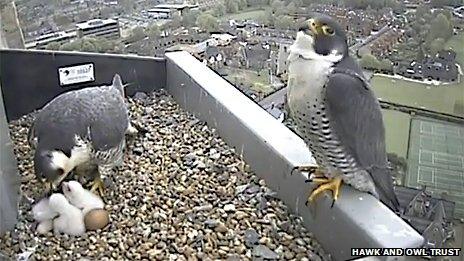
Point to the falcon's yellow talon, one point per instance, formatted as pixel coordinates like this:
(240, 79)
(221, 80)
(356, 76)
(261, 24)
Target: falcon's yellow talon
(320, 180)
(329, 184)
(315, 171)
(97, 184)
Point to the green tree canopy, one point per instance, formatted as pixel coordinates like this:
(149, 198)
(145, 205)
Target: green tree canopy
(53, 46)
(369, 61)
(207, 22)
(284, 22)
(232, 6)
(440, 28)
(153, 31)
(137, 34)
(220, 9)
(437, 45)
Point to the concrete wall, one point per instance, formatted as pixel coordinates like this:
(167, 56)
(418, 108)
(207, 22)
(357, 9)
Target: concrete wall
(30, 78)
(272, 150)
(9, 178)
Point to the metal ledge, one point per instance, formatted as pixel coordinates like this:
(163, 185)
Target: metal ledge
(356, 220)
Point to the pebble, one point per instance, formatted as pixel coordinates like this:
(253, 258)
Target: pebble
(229, 207)
(264, 252)
(181, 194)
(251, 237)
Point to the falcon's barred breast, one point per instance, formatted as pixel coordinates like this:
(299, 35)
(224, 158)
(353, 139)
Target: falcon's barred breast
(336, 112)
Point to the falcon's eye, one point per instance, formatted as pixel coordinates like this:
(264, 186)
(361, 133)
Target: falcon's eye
(328, 30)
(60, 171)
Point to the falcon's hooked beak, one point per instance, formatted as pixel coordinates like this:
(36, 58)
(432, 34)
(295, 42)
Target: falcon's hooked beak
(311, 27)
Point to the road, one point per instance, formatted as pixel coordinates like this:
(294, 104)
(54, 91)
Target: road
(371, 38)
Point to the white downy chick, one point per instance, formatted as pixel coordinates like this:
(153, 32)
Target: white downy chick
(70, 220)
(44, 215)
(42, 211)
(81, 198)
(45, 226)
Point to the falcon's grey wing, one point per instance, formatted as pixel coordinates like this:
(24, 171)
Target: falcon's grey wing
(109, 121)
(357, 121)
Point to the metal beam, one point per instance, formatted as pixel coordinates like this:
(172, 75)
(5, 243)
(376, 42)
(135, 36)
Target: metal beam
(272, 150)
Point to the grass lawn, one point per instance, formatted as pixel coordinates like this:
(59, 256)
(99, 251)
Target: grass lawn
(396, 131)
(446, 98)
(248, 14)
(250, 78)
(457, 44)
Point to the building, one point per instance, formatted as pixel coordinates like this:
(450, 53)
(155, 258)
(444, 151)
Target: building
(42, 41)
(108, 28)
(442, 68)
(257, 57)
(160, 13)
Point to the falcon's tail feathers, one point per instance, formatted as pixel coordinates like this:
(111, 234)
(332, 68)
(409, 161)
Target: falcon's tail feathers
(31, 136)
(117, 82)
(384, 184)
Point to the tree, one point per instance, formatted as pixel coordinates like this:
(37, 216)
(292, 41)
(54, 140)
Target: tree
(436, 46)
(440, 28)
(61, 19)
(53, 46)
(399, 163)
(423, 11)
(242, 4)
(263, 19)
(231, 6)
(420, 54)
(386, 65)
(190, 17)
(88, 46)
(220, 9)
(284, 22)
(291, 8)
(71, 46)
(442, 3)
(369, 61)
(176, 20)
(153, 31)
(137, 34)
(207, 22)
(128, 6)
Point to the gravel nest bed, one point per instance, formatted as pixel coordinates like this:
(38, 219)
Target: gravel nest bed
(182, 194)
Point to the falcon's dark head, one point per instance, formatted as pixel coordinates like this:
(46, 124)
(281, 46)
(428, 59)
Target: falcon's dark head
(321, 37)
(49, 165)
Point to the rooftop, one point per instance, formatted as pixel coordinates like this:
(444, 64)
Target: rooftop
(267, 146)
(95, 23)
(175, 6)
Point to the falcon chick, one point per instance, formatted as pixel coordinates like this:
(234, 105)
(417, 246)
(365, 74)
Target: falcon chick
(336, 113)
(70, 220)
(78, 128)
(80, 197)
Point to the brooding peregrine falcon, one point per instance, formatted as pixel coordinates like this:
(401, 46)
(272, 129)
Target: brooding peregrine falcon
(80, 128)
(336, 113)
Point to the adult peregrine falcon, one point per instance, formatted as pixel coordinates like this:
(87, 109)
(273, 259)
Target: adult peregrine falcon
(336, 113)
(79, 128)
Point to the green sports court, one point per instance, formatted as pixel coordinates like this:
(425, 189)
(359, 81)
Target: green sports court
(436, 159)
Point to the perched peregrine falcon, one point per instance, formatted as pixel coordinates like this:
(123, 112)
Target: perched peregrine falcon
(81, 128)
(336, 113)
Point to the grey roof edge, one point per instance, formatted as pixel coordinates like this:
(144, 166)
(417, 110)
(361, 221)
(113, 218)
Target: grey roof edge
(356, 220)
(79, 53)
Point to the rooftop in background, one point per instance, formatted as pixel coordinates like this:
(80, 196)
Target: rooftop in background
(176, 6)
(94, 23)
